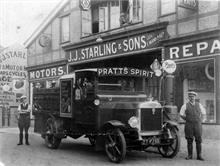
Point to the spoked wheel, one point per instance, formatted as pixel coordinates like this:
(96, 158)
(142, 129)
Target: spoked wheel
(50, 140)
(115, 145)
(171, 150)
(92, 140)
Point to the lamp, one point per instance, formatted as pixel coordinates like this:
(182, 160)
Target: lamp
(99, 39)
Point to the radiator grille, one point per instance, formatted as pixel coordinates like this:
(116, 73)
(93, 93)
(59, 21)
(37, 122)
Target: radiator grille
(151, 119)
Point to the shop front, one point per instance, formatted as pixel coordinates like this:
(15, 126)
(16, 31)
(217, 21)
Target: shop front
(134, 48)
(45, 76)
(197, 59)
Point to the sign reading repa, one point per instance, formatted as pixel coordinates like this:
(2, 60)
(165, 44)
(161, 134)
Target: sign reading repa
(194, 49)
(117, 71)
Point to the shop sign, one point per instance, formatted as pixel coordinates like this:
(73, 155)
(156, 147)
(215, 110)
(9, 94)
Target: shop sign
(47, 72)
(193, 49)
(117, 71)
(13, 61)
(189, 4)
(117, 47)
(169, 66)
(85, 4)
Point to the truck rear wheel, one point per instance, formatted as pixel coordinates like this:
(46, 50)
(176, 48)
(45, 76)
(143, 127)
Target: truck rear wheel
(115, 145)
(51, 140)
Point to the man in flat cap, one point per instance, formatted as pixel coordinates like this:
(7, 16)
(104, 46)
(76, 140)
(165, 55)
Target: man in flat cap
(23, 120)
(193, 113)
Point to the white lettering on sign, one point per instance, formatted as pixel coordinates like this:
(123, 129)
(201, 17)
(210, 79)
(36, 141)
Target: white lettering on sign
(120, 46)
(49, 72)
(12, 54)
(124, 72)
(215, 46)
(201, 46)
(194, 49)
(174, 52)
(186, 51)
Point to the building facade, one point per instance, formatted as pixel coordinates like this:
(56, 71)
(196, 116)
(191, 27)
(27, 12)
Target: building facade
(133, 33)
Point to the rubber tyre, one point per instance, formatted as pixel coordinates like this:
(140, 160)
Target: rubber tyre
(170, 151)
(51, 141)
(115, 145)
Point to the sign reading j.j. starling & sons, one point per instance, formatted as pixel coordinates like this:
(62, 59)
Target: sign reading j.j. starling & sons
(118, 47)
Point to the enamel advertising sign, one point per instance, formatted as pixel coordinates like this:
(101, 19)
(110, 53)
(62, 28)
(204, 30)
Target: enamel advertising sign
(13, 61)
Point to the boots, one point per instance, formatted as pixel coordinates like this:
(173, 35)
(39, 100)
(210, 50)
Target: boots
(26, 139)
(190, 150)
(199, 151)
(20, 139)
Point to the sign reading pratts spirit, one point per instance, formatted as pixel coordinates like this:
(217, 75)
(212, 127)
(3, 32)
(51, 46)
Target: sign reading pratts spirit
(47, 72)
(117, 47)
(193, 49)
(117, 71)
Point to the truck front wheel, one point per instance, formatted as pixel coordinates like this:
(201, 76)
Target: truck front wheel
(115, 145)
(51, 140)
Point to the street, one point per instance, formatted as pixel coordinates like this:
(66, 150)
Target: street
(80, 152)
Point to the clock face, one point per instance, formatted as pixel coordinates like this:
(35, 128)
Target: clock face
(44, 41)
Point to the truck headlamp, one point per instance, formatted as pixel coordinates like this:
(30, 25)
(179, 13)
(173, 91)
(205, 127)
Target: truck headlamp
(96, 102)
(133, 122)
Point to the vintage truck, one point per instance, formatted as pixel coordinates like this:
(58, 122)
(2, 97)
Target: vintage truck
(110, 107)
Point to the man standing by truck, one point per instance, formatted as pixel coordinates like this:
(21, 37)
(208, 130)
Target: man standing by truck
(23, 120)
(193, 113)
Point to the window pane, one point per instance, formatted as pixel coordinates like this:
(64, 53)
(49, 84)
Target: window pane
(86, 23)
(167, 6)
(137, 10)
(65, 29)
(199, 77)
(115, 14)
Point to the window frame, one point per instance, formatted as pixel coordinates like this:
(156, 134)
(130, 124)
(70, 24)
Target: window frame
(168, 13)
(109, 21)
(61, 28)
(211, 59)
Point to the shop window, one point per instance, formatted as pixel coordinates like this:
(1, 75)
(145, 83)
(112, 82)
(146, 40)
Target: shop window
(199, 77)
(106, 15)
(167, 7)
(65, 29)
(152, 88)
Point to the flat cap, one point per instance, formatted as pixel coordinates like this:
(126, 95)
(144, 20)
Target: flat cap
(192, 93)
(23, 97)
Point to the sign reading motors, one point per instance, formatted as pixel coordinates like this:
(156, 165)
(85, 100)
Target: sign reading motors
(47, 72)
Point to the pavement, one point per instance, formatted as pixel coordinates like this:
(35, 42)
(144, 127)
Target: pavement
(211, 152)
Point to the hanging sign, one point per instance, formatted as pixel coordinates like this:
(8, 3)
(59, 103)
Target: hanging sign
(169, 66)
(85, 4)
(189, 4)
